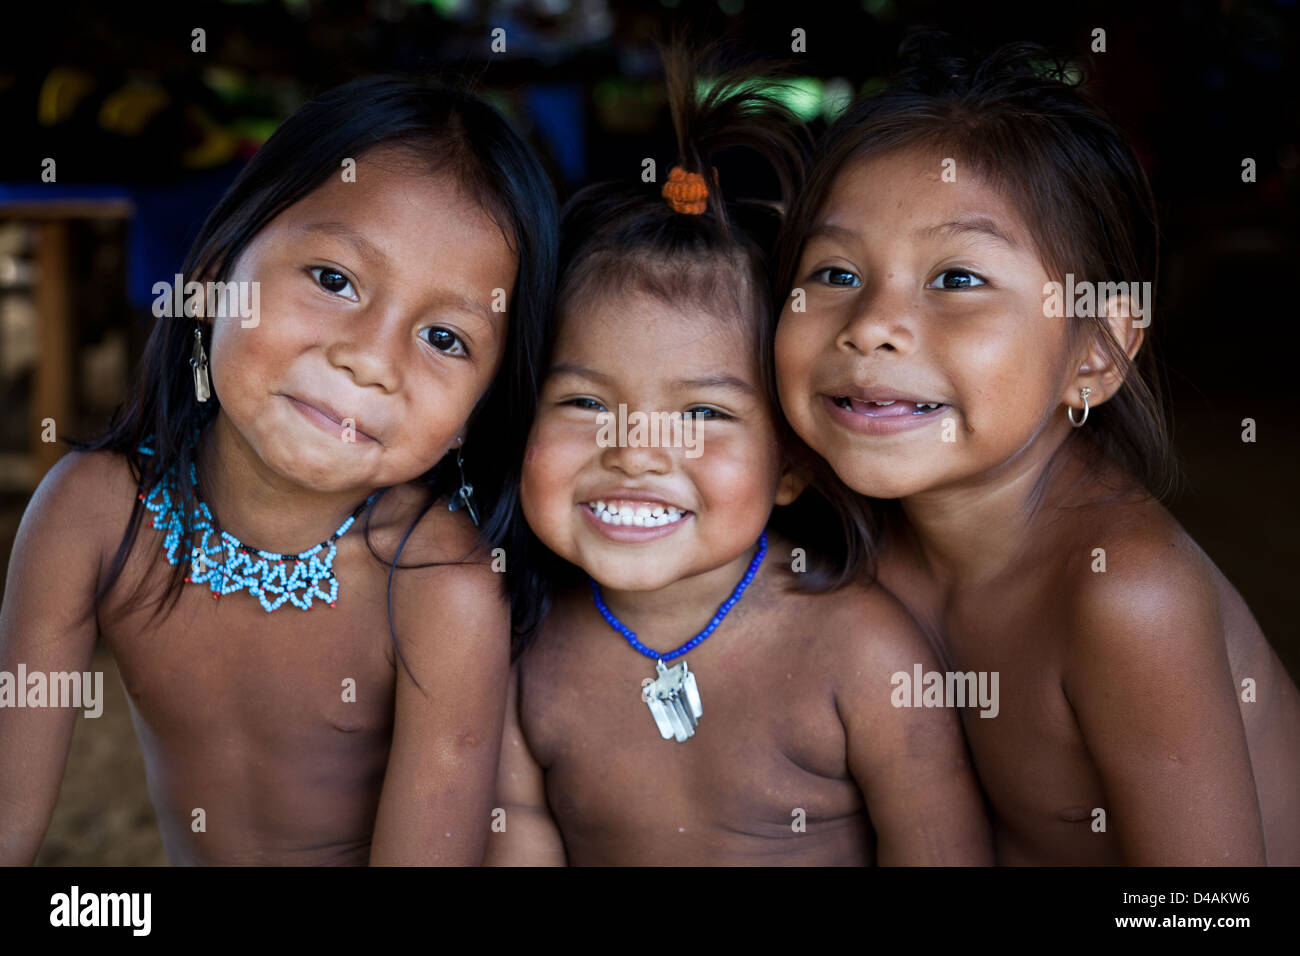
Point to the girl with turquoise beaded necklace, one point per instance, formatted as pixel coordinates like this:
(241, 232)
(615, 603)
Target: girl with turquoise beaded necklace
(235, 537)
(776, 741)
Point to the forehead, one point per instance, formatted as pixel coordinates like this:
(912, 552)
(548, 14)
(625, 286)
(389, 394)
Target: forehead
(399, 202)
(904, 193)
(641, 337)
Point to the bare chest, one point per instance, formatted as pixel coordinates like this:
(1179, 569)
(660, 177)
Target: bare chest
(226, 668)
(1004, 648)
(767, 760)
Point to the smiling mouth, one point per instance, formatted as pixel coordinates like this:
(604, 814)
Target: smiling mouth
(328, 418)
(640, 514)
(891, 408)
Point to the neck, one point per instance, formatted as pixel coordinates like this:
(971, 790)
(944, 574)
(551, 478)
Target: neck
(666, 618)
(973, 531)
(258, 506)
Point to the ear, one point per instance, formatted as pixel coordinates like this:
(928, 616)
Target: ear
(794, 479)
(1097, 368)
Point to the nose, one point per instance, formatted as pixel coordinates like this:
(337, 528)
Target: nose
(884, 319)
(637, 459)
(368, 345)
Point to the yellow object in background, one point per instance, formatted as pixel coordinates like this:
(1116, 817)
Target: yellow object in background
(63, 89)
(127, 111)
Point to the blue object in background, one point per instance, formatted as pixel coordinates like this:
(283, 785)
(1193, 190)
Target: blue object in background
(557, 109)
(166, 219)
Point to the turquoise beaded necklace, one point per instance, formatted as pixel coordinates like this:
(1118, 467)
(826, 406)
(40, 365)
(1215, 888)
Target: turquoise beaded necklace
(226, 565)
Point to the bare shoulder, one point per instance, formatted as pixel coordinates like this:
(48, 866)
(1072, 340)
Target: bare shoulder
(436, 534)
(102, 479)
(861, 628)
(561, 626)
(1138, 579)
(87, 495)
(446, 596)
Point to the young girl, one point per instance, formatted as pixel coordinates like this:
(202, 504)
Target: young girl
(296, 702)
(690, 703)
(929, 358)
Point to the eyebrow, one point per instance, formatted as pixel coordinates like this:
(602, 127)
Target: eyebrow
(581, 371)
(720, 380)
(972, 225)
(341, 230)
(978, 226)
(831, 231)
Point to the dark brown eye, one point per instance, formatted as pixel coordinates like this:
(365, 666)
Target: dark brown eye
(445, 341)
(839, 277)
(331, 280)
(956, 279)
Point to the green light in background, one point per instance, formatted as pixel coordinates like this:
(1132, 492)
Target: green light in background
(837, 96)
(802, 95)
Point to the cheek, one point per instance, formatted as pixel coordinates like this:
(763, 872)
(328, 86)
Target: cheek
(242, 361)
(737, 472)
(551, 460)
(1011, 370)
(793, 348)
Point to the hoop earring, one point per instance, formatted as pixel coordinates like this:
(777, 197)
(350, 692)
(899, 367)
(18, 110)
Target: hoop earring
(199, 363)
(1069, 412)
(463, 497)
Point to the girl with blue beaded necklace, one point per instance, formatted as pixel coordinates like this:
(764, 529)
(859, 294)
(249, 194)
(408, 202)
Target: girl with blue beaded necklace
(663, 544)
(297, 699)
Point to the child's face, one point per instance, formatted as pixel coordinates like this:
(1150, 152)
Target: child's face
(633, 350)
(920, 291)
(376, 313)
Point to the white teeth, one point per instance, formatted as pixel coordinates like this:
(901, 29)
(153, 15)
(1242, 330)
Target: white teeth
(883, 404)
(926, 406)
(641, 516)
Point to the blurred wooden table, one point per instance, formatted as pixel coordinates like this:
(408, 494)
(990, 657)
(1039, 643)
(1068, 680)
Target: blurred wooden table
(52, 214)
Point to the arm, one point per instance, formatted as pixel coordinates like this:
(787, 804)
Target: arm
(48, 624)
(911, 763)
(1149, 681)
(531, 837)
(453, 628)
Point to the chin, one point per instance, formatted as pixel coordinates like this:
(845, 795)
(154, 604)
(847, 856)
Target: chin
(634, 578)
(873, 482)
(313, 469)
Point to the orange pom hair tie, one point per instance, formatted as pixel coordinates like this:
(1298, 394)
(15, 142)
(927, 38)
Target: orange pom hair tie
(687, 193)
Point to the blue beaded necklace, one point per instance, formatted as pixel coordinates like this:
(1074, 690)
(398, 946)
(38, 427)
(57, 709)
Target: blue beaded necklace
(673, 695)
(226, 565)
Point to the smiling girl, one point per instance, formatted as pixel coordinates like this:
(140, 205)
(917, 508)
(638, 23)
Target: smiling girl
(1144, 718)
(699, 694)
(233, 537)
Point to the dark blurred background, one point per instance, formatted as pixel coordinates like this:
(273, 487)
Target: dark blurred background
(146, 131)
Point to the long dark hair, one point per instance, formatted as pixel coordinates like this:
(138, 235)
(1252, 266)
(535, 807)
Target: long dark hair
(1020, 118)
(624, 233)
(450, 129)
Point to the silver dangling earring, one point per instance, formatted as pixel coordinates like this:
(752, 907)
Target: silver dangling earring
(1069, 412)
(199, 362)
(463, 497)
